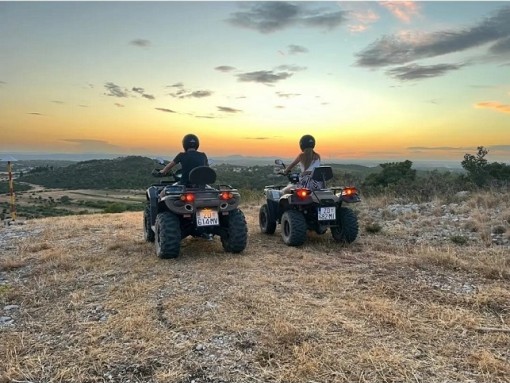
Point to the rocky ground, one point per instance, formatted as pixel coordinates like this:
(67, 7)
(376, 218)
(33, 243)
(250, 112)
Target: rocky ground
(421, 296)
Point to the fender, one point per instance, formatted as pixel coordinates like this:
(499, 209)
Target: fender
(152, 197)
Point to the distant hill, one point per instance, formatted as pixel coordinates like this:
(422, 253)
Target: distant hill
(134, 172)
(131, 172)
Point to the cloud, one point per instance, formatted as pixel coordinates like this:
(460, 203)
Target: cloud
(418, 72)
(2, 83)
(403, 48)
(361, 20)
(501, 47)
(434, 148)
(296, 49)
(291, 68)
(93, 145)
(138, 90)
(57, 102)
(184, 93)
(257, 138)
(148, 96)
(140, 43)
(176, 85)
(402, 10)
(36, 114)
(226, 109)
(263, 76)
(287, 95)
(225, 68)
(115, 90)
(166, 110)
(268, 17)
(119, 105)
(498, 107)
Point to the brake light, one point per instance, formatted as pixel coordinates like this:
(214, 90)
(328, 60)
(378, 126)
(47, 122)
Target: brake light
(188, 197)
(303, 193)
(349, 191)
(226, 195)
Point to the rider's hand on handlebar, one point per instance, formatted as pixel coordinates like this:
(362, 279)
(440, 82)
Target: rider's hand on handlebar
(157, 173)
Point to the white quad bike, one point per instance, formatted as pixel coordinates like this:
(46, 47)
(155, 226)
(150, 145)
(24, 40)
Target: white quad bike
(303, 209)
(174, 212)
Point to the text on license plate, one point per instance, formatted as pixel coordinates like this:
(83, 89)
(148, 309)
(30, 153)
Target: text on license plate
(207, 217)
(327, 213)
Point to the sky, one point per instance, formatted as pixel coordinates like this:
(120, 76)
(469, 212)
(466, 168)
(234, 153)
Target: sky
(383, 81)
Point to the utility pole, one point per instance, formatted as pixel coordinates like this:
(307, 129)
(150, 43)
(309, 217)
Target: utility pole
(10, 159)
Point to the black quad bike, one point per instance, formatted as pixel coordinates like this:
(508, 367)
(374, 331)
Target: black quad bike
(174, 212)
(303, 209)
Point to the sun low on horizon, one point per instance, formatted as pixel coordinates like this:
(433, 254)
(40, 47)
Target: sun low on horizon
(369, 80)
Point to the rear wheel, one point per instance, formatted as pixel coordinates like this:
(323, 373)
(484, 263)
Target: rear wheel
(293, 228)
(168, 235)
(347, 229)
(148, 233)
(267, 225)
(235, 235)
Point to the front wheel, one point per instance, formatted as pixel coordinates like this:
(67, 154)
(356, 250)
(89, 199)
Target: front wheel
(168, 235)
(235, 235)
(293, 228)
(347, 229)
(267, 225)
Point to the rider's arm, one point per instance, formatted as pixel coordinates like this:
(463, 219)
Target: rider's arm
(167, 168)
(293, 163)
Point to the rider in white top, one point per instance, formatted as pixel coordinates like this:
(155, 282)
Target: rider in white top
(308, 160)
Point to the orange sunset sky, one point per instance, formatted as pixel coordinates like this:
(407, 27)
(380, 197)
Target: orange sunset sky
(370, 80)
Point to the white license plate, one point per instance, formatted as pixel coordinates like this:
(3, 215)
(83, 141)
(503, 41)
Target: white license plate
(327, 213)
(207, 217)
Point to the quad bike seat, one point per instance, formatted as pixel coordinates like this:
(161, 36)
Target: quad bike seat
(202, 176)
(322, 173)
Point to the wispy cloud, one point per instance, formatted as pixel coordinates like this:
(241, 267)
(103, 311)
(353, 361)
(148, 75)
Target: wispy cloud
(418, 72)
(257, 138)
(225, 68)
(57, 102)
(2, 83)
(296, 49)
(360, 21)
(402, 10)
(403, 48)
(498, 107)
(166, 110)
(119, 105)
(287, 95)
(36, 114)
(226, 109)
(263, 76)
(141, 91)
(93, 145)
(114, 90)
(268, 17)
(142, 43)
(185, 93)
(291, 68)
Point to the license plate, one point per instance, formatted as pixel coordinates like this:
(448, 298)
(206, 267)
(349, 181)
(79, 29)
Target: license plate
(327, 214)
(207, 217)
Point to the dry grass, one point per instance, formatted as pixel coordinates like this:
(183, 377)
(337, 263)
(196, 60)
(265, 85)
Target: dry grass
(97, 305)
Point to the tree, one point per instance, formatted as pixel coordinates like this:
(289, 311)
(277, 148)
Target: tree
(392, 173)
(481, 172)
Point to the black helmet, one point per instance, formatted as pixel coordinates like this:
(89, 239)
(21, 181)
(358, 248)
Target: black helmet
(307, 141)
(190, 141)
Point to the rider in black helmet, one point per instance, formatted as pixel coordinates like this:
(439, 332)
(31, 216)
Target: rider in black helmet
(189, 159)
(308, 160)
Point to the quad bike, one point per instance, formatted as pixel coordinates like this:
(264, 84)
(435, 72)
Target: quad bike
(174, 212)
(303, 209)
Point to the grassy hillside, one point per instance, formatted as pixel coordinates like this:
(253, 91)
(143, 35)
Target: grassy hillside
(85, 299)
(134, 172)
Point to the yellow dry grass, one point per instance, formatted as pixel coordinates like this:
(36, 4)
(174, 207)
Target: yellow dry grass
(97, 305)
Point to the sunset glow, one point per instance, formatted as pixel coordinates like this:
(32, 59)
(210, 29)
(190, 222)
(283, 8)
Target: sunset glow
(370, 80)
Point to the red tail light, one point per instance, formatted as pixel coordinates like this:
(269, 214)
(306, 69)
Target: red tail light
(303, 193)
(349, 191)
(188, 197)
(226, 195)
